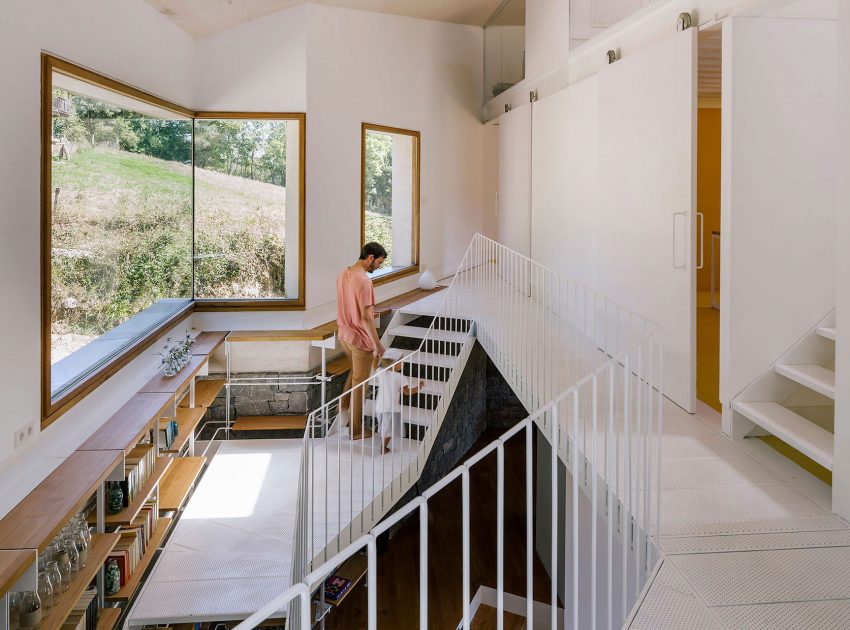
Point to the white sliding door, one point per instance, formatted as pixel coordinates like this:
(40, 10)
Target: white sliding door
(647, 194)
(778, 201)
(563, 181)
(514, 202)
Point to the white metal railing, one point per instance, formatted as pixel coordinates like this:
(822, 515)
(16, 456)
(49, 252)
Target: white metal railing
(588, 369)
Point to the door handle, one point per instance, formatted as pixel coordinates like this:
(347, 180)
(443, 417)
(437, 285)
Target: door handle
(701, 219)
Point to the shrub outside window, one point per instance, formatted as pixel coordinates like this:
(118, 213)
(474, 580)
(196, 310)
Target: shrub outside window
(390, 197)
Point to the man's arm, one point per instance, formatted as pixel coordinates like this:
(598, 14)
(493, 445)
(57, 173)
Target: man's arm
(367, 314)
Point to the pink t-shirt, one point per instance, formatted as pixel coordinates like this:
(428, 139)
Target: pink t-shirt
(354, 290)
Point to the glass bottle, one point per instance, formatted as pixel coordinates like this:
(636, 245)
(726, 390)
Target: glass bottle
(70, 544)
(14, 609)
(64, 562)
(82, 536)
(52, 570)
(45, 591)
(31, 612)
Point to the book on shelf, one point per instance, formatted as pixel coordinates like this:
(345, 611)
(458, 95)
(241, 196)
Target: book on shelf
(168, 433)
(84, 614)
(138, 467)
(135, 538)
(335, 587)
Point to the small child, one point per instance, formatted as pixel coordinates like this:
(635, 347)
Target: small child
(391, 384)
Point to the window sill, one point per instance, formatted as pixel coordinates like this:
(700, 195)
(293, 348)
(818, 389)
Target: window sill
(382, 276)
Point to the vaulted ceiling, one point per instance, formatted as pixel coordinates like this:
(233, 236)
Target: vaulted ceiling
(200, 18)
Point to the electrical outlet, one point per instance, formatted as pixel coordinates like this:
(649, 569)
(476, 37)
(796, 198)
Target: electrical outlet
(24, 433)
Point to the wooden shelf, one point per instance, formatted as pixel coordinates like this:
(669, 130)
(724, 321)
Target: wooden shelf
(338, 366)
(178, 481)
(352, 569)
(205, 392)
(128, 425)
(311, 334)
(207, 342)
(126, 516)
(101, 545)
(33, 522)
(270, 423)
(13, 564)
(188, 419)
(132, 585)
(107, 618)
(173, 384)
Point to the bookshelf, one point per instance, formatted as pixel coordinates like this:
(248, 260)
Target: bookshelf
(188, 419)
(34, 522)
(207, 342)
(13, 565)
(162, 384)
(101, 545)
(107, 618)
(178, 482)
(353, 569)
(132, 585)
(127, 426)
(205, 392)
(126, 516)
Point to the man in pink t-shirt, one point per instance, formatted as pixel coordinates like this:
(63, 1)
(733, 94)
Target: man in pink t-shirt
(355, 304)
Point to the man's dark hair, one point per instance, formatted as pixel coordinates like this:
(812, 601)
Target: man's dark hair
(373, 249)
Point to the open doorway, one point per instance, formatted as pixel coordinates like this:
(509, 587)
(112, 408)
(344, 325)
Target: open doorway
(708, 218)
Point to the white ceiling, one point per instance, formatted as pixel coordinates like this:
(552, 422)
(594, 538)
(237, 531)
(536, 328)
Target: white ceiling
(200, 18)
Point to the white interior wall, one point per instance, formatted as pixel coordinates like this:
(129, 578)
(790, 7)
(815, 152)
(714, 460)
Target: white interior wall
(563, 181)
(547, 35)
(841, 470)
(116, 39)
(413, 74)
(778, 197)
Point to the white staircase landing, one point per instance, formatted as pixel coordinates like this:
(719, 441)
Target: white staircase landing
(743, 549)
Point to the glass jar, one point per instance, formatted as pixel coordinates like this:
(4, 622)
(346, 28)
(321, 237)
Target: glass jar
(70, 546)
(64, 562)
(31, 612)
(45, 591)
(112, 577)
(82, 537)
(52, 570)
(14, 609)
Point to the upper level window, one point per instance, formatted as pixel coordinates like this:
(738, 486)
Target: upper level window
(248, 207)
(390, 197)
(151, 210)
(118, 221)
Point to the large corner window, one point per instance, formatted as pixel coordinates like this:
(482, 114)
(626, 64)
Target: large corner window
(390, 197)
(248, 207)
(118, 217)
(150, 211)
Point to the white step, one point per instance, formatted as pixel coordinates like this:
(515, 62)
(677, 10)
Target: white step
(418, 332)
(412, 415)
(432, 388)
(431, 358)
(815, 377)
(807, 437)
(827, 332)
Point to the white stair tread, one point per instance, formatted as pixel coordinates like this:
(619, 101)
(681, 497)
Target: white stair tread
(431, 358)
(815, 377)
(432, 388)
(805, 436)
(418, 332)
(827, 331)
(412, 415)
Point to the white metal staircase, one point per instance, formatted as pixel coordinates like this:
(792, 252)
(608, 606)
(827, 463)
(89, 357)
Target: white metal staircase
(587, 367)
(795, 399)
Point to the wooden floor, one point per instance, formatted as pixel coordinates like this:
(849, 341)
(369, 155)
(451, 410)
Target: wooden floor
(708, 353)
(398, 567)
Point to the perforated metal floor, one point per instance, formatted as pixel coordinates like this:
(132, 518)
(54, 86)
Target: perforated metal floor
(743, 548)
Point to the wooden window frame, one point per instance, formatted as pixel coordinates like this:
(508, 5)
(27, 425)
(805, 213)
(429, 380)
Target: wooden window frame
(417, 155)
(52, 409)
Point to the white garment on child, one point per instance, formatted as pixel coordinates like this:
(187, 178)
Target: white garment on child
(388, 398)
(389, 425)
